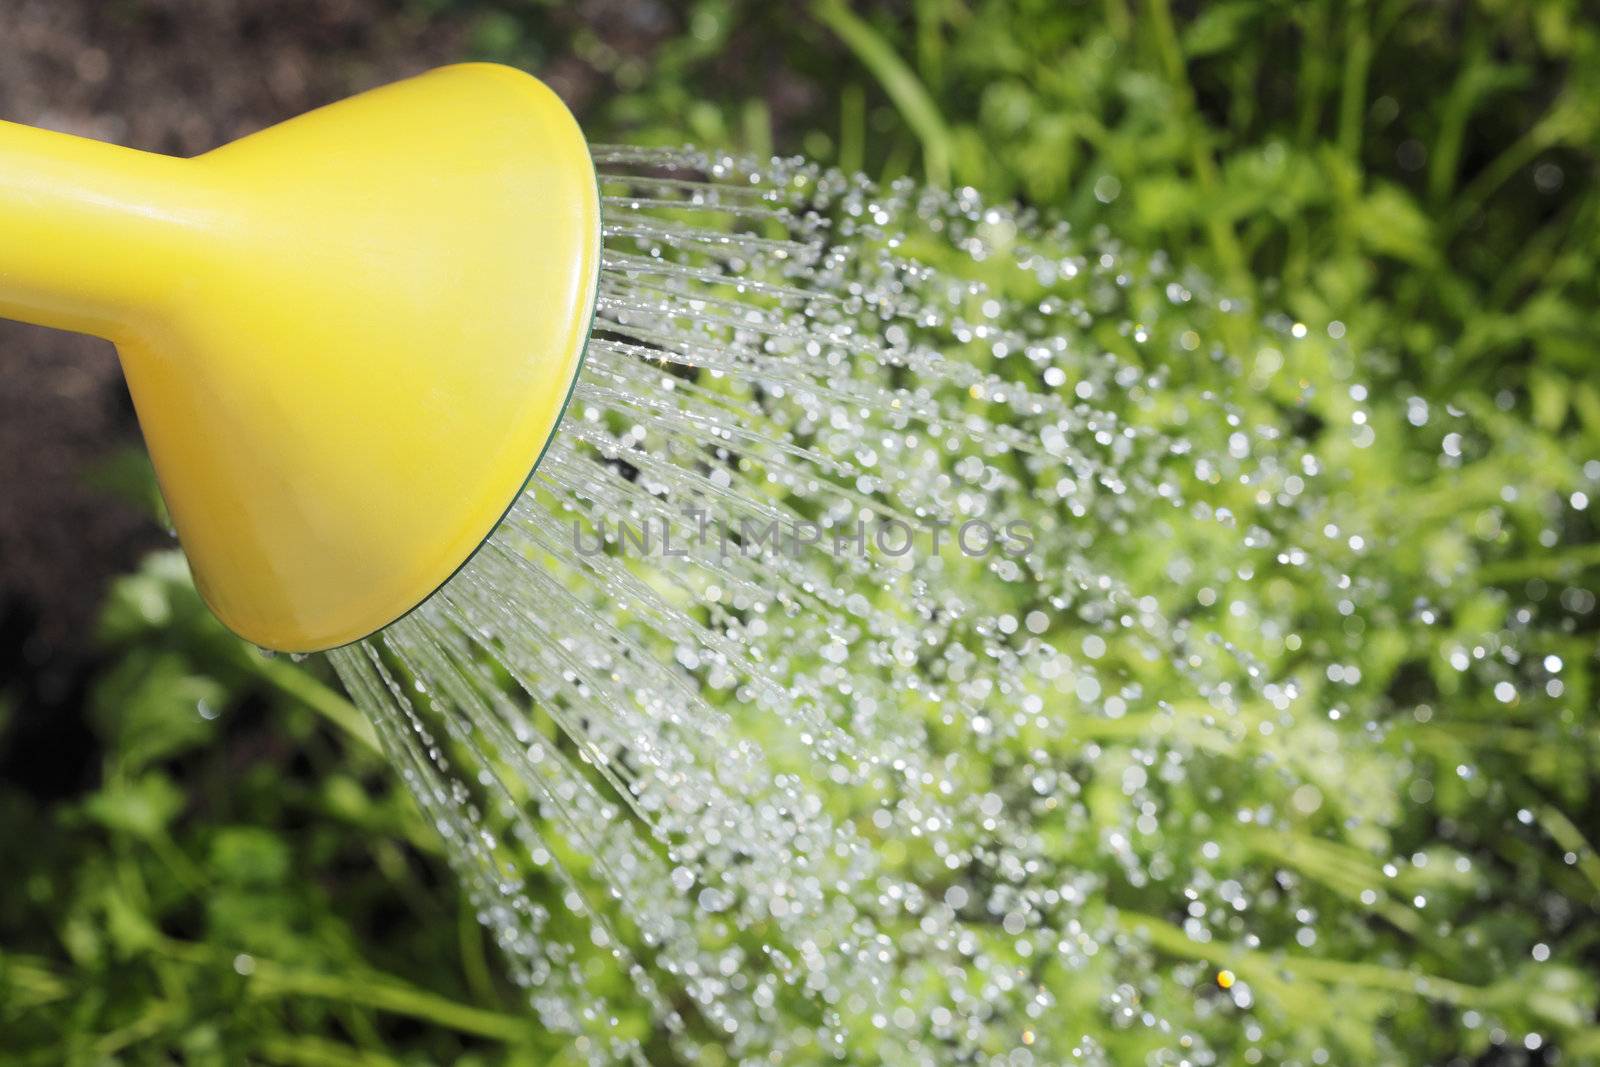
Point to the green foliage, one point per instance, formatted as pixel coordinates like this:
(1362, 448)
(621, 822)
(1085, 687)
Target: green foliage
(246, 882)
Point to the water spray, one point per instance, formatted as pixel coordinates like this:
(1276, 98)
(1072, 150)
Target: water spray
(813, 806)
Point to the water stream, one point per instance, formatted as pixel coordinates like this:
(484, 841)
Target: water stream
(854, 605)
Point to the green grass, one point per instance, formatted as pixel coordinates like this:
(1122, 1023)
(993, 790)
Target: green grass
(255, 887)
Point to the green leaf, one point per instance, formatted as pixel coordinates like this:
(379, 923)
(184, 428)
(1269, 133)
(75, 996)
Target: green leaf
(141, 808)
(152, 705)
(1219, 27)
(1388, 222)
(1550, 393)
(249, 855)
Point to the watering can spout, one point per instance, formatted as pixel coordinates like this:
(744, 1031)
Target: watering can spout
(80, 223)
(348, 337)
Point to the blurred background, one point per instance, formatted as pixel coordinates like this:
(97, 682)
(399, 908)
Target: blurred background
(175, 810)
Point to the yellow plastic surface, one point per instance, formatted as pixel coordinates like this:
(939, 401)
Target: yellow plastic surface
(349, 337)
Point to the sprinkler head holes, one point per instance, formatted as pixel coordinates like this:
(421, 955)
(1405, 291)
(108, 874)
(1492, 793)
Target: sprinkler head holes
(349, 337)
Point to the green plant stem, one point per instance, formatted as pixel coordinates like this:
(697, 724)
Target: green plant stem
(1314, 63)
(473, 959)
(1546, 133)
(29, 981)
(314, 1052)
(1562, 830)
(146, 1026)
(324, 700)
(1224, 242)
(387, 994)
(1353, 87)
(899, 81)
(368, 989)
(1444, 160)
(852, 128)
(1341, 870)
(1254, 964)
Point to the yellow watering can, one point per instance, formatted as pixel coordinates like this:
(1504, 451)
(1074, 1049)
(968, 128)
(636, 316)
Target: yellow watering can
(348, 337)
